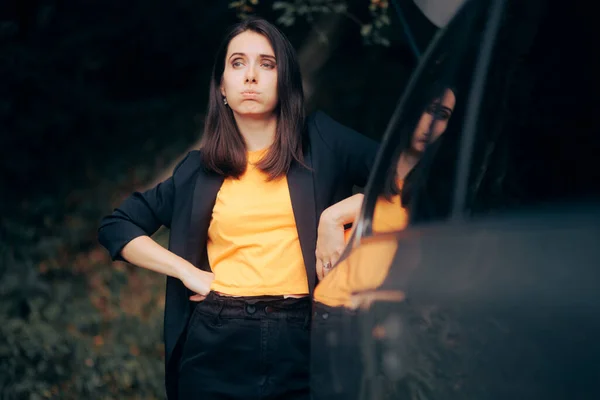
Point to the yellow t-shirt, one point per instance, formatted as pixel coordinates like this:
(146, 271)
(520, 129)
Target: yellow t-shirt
(253, 246)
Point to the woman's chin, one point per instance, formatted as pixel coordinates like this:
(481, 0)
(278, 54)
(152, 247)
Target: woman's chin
(253, 111)
(419, 148)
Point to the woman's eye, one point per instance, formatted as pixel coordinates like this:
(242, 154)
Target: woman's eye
(237, 63)
(432, 110)
(268, 65)
(438, 113)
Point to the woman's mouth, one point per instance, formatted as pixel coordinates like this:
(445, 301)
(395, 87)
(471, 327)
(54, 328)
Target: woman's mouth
(250, 94)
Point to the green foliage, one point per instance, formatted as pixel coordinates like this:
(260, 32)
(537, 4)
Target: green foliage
(291, 11)
(73, 324)
(80, 130)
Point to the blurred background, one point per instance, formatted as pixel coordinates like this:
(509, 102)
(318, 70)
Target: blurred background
(101, 98)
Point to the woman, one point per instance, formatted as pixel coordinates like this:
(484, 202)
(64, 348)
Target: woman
(242, 212)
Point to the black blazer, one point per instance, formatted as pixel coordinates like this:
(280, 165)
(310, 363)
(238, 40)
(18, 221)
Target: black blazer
(338, 158)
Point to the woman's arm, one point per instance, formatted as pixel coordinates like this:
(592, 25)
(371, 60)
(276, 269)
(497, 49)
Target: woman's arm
(330, 239)
(126, 235)
(144, 252)
(140, 214)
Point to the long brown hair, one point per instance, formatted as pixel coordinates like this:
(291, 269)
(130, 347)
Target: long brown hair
(223, 147)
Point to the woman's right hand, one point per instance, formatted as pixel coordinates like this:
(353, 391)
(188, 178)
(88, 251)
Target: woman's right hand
(198, 281)
(146, 253)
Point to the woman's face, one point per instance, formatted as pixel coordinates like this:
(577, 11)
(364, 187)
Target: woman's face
(433, 122)
(250, 76)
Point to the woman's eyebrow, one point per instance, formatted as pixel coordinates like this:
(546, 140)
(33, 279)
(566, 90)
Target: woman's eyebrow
(244, 55)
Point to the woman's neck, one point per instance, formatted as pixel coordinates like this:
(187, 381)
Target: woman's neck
(258, 132)
(406, 163)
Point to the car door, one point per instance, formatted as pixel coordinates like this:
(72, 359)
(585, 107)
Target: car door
(476, 274)
(339, 370)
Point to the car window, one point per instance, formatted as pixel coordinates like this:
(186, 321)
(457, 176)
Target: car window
(537, 139)
(430, 117)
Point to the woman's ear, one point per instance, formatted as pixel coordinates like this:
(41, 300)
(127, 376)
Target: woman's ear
(222, 89)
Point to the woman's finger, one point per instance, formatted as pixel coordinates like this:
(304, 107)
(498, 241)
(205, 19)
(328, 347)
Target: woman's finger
(197, 297)
(333, 258)
(319, 269)
(327, 267)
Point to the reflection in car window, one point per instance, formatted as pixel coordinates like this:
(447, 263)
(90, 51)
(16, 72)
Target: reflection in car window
(431, 118)
(429, 115)
(389, 214)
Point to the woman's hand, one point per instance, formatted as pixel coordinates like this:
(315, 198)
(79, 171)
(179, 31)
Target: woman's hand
(146, 253)
(330, 239)
(198, 281)
(330, 243)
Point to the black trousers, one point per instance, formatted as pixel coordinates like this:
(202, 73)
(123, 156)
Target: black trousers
(247, 348)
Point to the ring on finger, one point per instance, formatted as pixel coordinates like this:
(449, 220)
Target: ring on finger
(327, 265)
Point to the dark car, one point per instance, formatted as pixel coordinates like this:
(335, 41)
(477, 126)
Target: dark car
(473, 271)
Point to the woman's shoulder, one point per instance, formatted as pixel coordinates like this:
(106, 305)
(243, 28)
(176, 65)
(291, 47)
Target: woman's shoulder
(322, 124)
(322, 127)
(189, 164)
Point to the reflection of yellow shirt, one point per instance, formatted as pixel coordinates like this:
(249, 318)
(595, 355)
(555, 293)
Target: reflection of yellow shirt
(365, 269)
(253, 246)
(389, 215)
(368, 264)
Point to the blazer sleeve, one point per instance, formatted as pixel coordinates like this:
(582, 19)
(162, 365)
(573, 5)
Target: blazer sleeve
(141, 214)
(355, 151)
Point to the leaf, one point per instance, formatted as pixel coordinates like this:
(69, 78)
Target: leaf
(280, 5)
(286, 20)
(366, 30)
(340, 8)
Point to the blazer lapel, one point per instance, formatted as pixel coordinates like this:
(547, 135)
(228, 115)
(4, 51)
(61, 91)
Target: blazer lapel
(206, 187)
(302, 194)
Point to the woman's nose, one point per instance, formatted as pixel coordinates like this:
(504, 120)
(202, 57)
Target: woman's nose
(425, 123)
(250, 75)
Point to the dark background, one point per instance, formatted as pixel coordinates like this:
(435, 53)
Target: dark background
(98, 99)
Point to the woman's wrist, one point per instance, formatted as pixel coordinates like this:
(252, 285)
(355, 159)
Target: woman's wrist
(344, 212)
(331, 217)
(182, 269)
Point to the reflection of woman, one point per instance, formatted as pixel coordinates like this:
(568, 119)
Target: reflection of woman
(337, 365)
(243, 214)
(389, 214)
